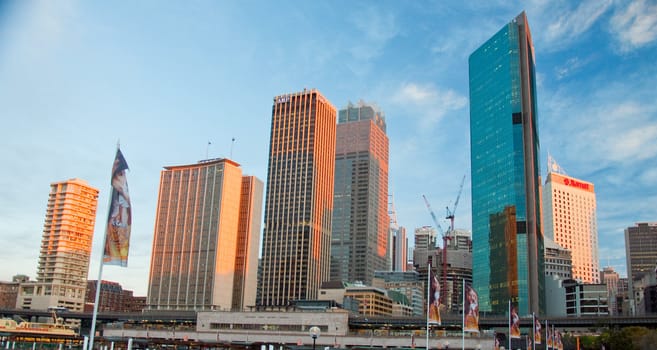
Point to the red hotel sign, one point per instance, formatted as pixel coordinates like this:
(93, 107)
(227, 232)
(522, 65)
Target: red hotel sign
(575, 183)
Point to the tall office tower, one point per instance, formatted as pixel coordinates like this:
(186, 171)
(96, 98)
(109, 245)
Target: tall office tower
(504, 143)
(200, 210)
(299, 201)
(248, 243)
(569, 209)
(400, 249)
(360, 236)
(640, 253)
(65, 249)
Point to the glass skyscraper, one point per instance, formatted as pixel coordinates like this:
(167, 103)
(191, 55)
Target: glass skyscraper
(507, 237)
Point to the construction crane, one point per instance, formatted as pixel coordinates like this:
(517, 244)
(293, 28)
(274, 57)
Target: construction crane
(450, 213)
(443, 284)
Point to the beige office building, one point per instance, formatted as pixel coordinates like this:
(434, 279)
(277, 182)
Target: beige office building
(204, 239)
(570, 220)
(65, 249)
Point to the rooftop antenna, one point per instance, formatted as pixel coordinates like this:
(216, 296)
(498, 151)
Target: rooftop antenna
(231, 148)
(207, 149)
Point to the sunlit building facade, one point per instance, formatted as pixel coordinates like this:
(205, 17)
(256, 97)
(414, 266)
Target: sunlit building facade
(360, 230)
(296, 247)
(569, 210)
(195, 244)
(65, 249)
(248, 244)
(506, 207)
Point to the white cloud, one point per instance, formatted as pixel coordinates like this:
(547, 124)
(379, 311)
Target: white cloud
(376, 28)
(560, 23)
(571, 65)
(626, 136)
(649, 177)
(635, 25)
(429, 102)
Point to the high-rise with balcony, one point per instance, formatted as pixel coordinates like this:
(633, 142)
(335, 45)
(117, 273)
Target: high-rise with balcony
(569, 210)
(507, 236)
(205, 237)
(65, 249)
(360, 231)
(299, 200)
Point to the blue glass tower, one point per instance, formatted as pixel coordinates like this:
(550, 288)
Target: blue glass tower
(507, 238)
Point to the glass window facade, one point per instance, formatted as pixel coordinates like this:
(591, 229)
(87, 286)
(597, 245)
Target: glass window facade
(506, 231)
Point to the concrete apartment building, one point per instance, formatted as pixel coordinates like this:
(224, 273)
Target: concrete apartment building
(65, 249)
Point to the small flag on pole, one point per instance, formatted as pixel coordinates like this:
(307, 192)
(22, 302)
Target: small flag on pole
(537, 331)
(119, 220)
(434, 298)
(471, 308)
(514, 326)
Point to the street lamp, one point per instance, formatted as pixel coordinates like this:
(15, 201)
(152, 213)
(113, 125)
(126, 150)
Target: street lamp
(314, 333)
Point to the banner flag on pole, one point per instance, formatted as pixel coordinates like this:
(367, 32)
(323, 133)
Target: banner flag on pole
(514, 325)
(119, 220)
(471, 308)
(434, 298)
(537, 331)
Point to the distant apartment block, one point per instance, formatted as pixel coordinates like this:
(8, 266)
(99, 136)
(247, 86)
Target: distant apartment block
(113, 298)
(399, 249)
(558, 261)
(8, 294)
(65, 249)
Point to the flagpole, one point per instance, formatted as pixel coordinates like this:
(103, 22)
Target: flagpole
(428, 301)
(534, 330)
(463, 315)
(99, 282)
(547, 333)
(509, 324)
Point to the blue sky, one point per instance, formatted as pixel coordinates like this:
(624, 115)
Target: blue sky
(165, 78)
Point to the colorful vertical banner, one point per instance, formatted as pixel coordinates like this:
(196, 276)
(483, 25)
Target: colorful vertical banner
(119, 220)
(434, 298)
(514, 322)
(557, 340)
(471, 307)
(550, 343)
(537, 331)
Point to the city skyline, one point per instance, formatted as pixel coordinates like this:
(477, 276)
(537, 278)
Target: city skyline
(176, 83)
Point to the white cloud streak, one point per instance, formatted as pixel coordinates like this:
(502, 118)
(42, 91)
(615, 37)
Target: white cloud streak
(571, 24)
(635, 26)
(429, 102)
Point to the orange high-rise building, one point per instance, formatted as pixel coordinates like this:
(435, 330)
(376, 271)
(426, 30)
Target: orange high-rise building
(299, 199)
(360, 238)
(570, 220)
(65, 249)
(195, 244)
